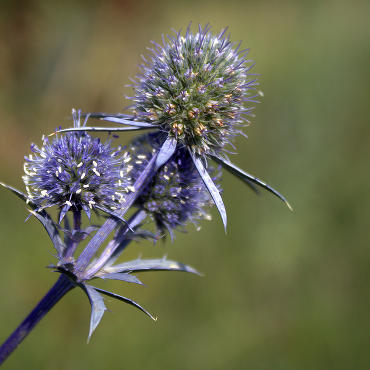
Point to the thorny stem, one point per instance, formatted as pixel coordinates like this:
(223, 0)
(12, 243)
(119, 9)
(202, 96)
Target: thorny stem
(111, 223)
(59, 289)
(75, 233)
(117, 245)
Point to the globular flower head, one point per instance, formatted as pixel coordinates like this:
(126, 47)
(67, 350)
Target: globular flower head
(176, 194)
(194, 87)
(76, 171)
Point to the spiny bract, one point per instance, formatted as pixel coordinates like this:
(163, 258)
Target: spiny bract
(194, 87)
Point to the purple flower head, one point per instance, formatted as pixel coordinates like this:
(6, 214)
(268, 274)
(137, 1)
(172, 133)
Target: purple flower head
(76, 171)
(194, 87)
(176, 194)
(193, 90)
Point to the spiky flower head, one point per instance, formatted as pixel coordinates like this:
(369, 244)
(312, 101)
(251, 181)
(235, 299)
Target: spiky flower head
(76, 171)
(176, 194)
(194, 87)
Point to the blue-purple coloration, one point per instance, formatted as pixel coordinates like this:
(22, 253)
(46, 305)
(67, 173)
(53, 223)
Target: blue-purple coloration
(176, 194)
(192, 93)
(195, 87)
(76, 171)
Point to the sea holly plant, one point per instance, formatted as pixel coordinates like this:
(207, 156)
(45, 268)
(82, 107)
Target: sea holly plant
(194, 95)
(197, 88)
(77, 174)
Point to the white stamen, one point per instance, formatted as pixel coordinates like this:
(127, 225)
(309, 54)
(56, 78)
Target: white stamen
(86, 186)
(83, 176)
(141, 156)
(131, 188)
(44, 193)
(95, 164)
(60, 169)
(96, 172)
(68, 203)
(121, 173)
(78, 191)
(80, 164)
(25, 169)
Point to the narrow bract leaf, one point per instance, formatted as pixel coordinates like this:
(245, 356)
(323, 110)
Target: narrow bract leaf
(43, 217)
(248, 177)
(51, 229)
(100, 115)
(126, 300)
(215, 194)
(100, 129)
(166, 152)
(114, 215)
(140, 265)
(19, 194)
(128, 278)
(125, 121)
(97, 307)
(235, 171)
(63, 212)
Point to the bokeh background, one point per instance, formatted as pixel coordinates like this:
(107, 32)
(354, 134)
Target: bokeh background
(281, 290)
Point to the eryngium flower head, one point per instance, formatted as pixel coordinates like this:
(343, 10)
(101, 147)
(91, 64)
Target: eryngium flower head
(176, 194)
(194, 87)
(76, 171)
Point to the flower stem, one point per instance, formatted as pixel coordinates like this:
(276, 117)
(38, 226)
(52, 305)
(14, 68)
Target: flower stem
(117, 245)
(109, 225)
(75, 233)
(59, 289)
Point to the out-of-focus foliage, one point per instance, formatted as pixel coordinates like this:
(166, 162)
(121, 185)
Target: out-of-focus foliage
(282, 290)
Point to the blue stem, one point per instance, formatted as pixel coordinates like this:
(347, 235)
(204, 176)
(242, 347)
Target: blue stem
(59, 289)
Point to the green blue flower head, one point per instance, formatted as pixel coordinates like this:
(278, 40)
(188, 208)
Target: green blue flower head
(195, 87)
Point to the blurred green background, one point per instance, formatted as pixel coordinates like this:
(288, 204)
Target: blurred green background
(281, 290)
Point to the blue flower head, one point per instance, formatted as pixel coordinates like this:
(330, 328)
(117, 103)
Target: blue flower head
(176, 194)
(194, 87)
(76, 171)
